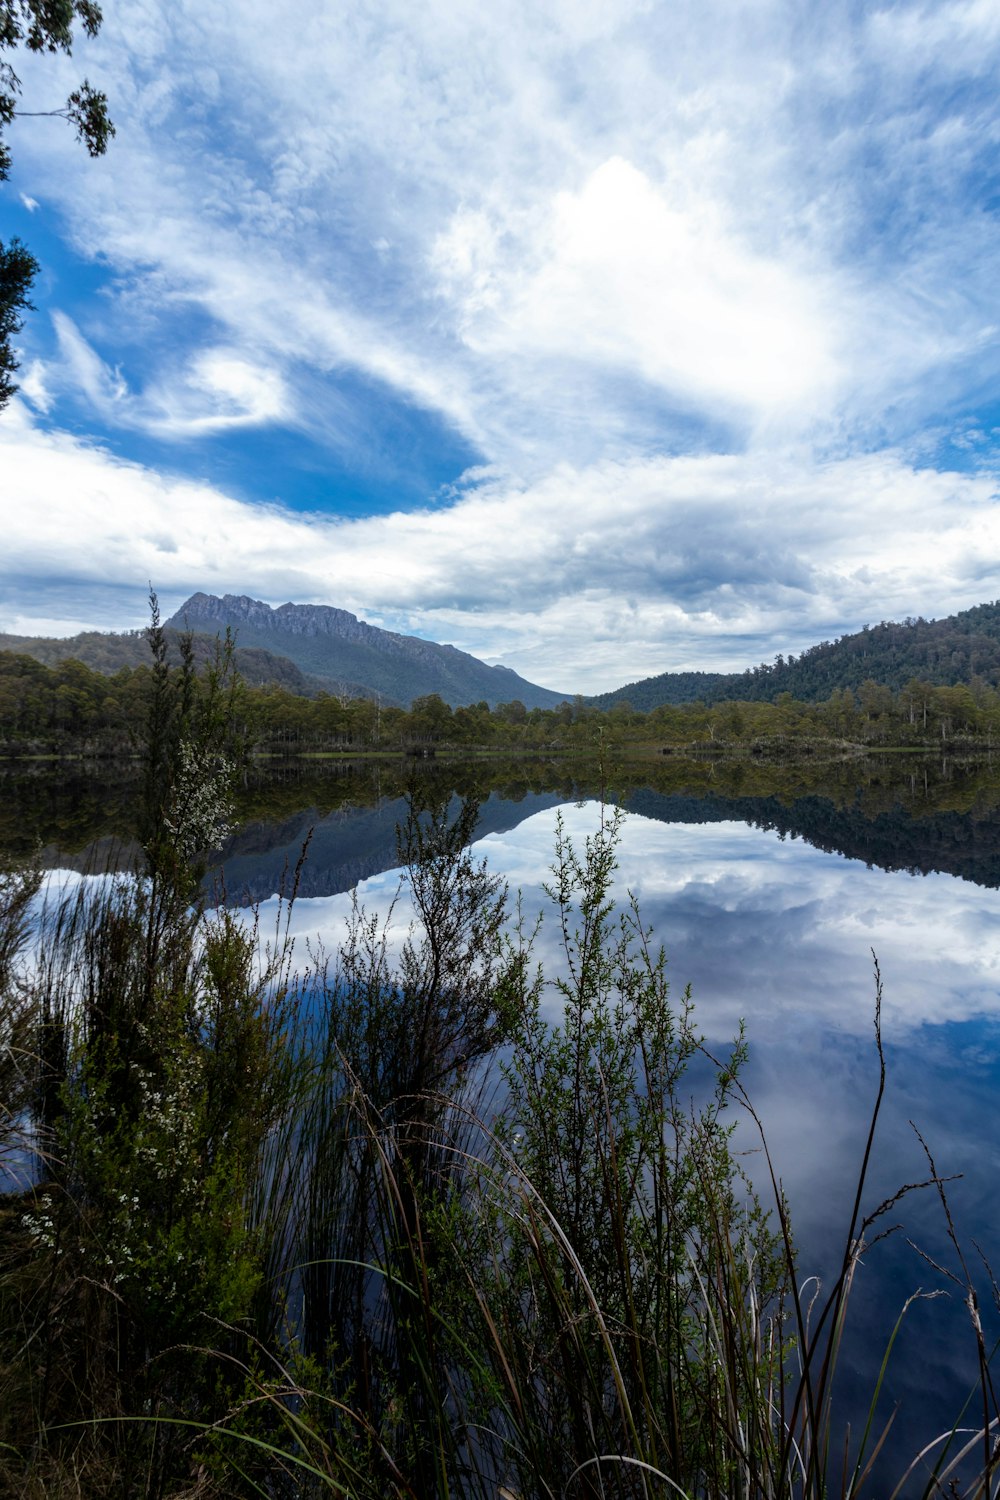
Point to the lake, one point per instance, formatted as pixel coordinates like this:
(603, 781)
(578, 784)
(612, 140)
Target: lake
(769, 888)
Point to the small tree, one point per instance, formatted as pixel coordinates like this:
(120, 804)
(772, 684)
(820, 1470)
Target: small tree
(430, 718)
(635, 1241)
(168, 1056)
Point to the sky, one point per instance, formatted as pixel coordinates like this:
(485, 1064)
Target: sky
(598, 339)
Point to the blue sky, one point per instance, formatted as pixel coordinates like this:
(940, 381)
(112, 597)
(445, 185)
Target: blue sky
(599, 339)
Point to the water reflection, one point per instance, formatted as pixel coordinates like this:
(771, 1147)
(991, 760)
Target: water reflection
(345, 847)
(779, 933)
(752, 920)
(769, 899)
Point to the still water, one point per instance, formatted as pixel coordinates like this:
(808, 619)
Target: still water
(770, 901)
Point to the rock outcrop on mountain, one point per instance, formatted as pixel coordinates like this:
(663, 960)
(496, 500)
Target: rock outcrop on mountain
(333, 643)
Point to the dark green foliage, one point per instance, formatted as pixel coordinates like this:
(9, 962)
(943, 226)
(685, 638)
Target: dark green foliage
(637, 1211)
(668, 687)
(47, 26)
(313, 1197)
(71, 709)
(193, 744)
(17, 271)
(398, 1047)
(281, 1241)
(162, 1061)
(154, 1115)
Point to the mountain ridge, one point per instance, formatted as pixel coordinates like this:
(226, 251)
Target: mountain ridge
(330, 642)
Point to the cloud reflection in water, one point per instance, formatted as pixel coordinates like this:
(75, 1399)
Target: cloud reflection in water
(779, 933)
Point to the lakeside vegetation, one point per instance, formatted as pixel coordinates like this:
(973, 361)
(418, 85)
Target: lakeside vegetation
(269, 1232)
(70, 710)
(274, 1247)
(266, 1242)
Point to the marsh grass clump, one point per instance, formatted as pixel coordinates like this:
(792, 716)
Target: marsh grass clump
(135, 1246)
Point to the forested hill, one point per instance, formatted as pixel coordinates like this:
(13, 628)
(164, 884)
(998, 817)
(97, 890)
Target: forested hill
(944, 652)
(334, 643)
(108, 652)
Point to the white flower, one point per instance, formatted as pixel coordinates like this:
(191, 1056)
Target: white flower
(200, 812)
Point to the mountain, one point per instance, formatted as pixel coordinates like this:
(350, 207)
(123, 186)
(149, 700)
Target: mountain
(334, 643)
(942, 652)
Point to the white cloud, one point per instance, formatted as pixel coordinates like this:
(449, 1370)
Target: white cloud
(619, 276)
(41, 625)
(221, 390)
(104, 388)
(578, 205)
(33, 385)
(957, 37)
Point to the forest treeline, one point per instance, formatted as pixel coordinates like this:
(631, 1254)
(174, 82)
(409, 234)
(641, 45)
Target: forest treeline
(70, 709)
(962, 648)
